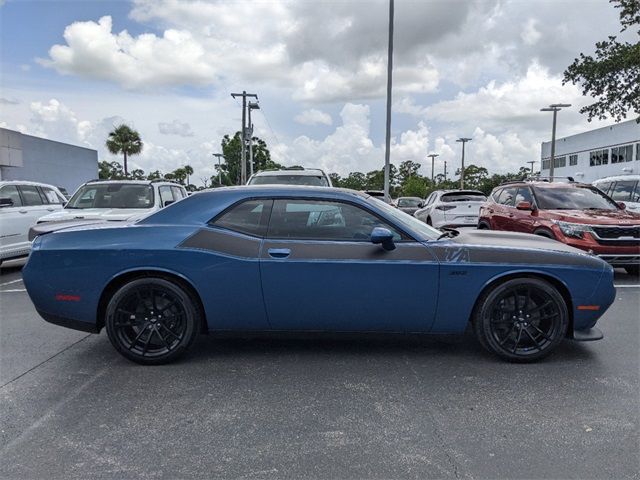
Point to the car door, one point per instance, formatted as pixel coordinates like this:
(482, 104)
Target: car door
(522, 220)
(320, 271)
(14, 223)
(503, 209)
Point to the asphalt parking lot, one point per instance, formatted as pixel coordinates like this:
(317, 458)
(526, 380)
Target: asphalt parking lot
(436, 407)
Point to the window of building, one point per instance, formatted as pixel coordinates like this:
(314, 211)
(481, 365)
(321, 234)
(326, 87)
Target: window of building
(622, 154)
(573, 160)
(559, 162)
(637, 151)
(246, 217)
(598, 157)
(323, 220)
(546, 164)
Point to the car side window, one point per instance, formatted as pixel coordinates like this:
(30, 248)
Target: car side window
(507, 196)
(323, 220)
(178, 193)
(248, 217)
(51, 196)
(11, 191)
(165, 195)
(496, 195)
(524, 195)
(30, 195)
(623, 191)
(432, 197)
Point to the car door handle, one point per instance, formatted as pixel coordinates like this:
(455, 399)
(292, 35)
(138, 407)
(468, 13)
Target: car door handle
(23, 211)
(511, 214)
(279, 252)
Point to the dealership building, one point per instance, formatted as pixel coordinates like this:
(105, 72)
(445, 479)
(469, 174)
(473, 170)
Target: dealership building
(599, 153)
(25, 157)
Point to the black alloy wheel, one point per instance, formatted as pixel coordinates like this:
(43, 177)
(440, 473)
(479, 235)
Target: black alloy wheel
(152, 320)
(521, 320)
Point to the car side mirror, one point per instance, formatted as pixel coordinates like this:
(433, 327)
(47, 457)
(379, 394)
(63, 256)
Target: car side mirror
(6, 202)
(383, 236)
(622, 205)
(421, 205)
(167, 203)
(524, 206)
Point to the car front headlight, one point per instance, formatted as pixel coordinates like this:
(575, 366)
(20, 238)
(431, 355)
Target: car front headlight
(575, 230)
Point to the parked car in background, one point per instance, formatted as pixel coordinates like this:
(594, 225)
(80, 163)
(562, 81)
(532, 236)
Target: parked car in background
(22, 203)
(314, 177)
(64, 192)
(408, 204)
(118, 200)
(264, 258)
(623, 188)
(451, 208)
(576, 214)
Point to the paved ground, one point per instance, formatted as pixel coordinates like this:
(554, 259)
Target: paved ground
(70, 407)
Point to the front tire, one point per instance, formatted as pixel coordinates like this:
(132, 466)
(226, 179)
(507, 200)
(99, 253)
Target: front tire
(152, 320)
(521, 320)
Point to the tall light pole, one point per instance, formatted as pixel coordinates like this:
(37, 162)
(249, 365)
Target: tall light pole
(219, 155)
(252, 106)
(433, 156)
(243, 134)
(388, 133)
(532, 162)
(463, 140)
(555, 108)
(445, 170)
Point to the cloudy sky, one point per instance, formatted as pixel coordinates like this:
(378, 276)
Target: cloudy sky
(71, 70)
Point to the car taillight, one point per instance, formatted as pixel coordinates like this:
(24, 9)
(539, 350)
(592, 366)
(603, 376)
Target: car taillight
(444, 208)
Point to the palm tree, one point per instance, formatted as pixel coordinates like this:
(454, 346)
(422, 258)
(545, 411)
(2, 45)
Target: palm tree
(189, 171)
(123, 139)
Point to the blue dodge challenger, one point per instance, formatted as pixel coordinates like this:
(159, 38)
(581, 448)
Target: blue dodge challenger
(306, 259)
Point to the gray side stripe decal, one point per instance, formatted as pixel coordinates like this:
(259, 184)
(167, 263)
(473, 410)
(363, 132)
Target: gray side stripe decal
(465, 254)
(349, 251)
(226, 243)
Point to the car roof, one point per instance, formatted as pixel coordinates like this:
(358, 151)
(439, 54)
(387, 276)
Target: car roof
(294, 172)
(525, 183)
(615, 178)
(25, 182)
(134, 182)
(282, 190)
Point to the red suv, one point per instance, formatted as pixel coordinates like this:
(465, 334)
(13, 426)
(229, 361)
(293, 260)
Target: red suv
(577, 214)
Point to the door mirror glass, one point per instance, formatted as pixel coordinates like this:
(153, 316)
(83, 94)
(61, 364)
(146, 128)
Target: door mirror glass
(6, 202)
(524, 206)
(383, 236)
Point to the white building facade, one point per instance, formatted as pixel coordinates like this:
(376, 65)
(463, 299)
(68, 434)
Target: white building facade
(588, 156)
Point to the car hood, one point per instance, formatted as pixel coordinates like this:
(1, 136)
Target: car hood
(512, 240)
(595, 217)
(109, 214)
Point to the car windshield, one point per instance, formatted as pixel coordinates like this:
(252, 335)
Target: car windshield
(410, 223)
(573, 198)
(112, 195)
(309, 180)
(463, 197)
(409, 202)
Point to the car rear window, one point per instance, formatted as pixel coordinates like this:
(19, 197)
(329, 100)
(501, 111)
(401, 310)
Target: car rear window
(409, 202)
(112, 195)
(309, 180)
(463, 197)
(573, 198)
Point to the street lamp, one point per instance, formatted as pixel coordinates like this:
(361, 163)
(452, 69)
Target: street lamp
(433, 156)
(463, 140)
(219, 155)
(555, 108)
(251, 106)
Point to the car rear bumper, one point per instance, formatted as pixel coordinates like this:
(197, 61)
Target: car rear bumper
(69, 322)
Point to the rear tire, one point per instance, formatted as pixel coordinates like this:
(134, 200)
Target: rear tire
(483, 226)
(521, 320)
(152, 320)
(633, 270)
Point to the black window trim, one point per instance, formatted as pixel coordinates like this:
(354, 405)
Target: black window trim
(211, 223)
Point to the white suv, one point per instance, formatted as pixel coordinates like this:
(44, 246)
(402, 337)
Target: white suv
(622, 188)
(291, 176)
(451, 208)
(118, 200)
(22, 203)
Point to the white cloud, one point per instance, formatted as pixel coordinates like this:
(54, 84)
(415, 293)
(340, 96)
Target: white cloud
(175, 127)
(530, 35)
(313, 117)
